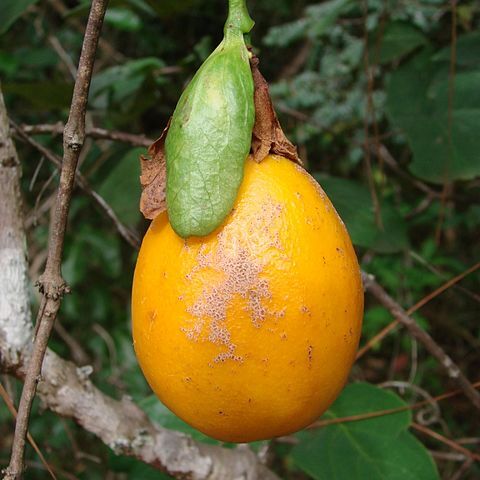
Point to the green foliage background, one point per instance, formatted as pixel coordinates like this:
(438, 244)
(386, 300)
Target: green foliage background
(423, 228)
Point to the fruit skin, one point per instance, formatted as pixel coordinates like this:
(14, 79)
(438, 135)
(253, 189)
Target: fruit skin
(250, 333)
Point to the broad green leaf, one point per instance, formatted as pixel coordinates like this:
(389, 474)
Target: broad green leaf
(444, 147)
(354, 205)
(11, 10)
(209, 139)
(121, 189)
(380, 448)
(399, 39)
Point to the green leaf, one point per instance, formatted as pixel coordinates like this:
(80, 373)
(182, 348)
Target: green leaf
(42, 95)
(209, 139)
(325, 14)
(121, 189)
(398, 40)
(284, 35)
(317, 21)
(103, 252)
(123, 19)
(11, 10)
(466, 51)
(354, 205)
(126, 90)
(380, 448)
(8, 63)
(169, 8)
(418, 103)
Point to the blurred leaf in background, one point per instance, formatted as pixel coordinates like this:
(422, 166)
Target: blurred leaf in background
(379, 448)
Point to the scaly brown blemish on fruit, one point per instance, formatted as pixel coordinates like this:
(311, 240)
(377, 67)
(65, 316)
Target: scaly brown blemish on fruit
(241, 276)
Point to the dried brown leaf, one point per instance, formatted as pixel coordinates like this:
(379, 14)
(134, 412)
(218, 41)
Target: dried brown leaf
(153, 178)
(267, 135)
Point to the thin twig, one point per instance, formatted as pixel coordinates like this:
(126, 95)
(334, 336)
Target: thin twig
(51, 283)
(13, 411)
(450, 367)
(464, 468)
(64, 56)
(129, 236)
(388, 159)
(447, 456)
(447, 441)
(297, 62)
(447, 184)
(94, 132)
(389, 411)
(442, 275)
(370, 113)
(392, 325)
(108, 51)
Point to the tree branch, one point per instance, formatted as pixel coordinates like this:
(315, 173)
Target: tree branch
(100, 133)
(15, 319)
(450, 367)
(51, 283)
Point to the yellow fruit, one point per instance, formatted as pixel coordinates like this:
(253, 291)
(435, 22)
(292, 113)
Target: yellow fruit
(250, 332)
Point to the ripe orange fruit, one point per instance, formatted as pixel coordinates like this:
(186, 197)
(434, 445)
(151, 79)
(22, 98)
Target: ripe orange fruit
(250, 332)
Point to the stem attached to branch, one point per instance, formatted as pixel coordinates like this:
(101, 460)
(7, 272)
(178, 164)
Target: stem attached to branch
(51, 283)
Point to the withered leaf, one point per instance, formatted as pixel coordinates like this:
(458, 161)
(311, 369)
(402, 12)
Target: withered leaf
(268, 136)
(153, 178)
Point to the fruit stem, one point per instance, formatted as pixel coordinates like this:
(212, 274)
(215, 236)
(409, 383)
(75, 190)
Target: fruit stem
(238, 20)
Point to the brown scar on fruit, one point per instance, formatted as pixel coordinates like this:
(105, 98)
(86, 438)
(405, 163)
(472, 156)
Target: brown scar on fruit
(241, 276)
(267, 135)
(310, 355)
